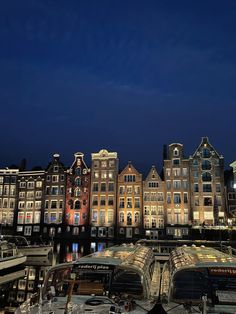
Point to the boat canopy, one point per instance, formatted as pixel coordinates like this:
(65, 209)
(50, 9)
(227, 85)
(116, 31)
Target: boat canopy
(199, 257)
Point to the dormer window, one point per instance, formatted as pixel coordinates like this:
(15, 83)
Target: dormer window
(206, 153)
(176, 161)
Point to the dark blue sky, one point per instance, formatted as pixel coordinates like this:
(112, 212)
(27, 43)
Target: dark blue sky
(124, 75)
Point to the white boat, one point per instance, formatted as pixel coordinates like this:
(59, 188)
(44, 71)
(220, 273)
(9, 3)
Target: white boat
(11, 261)
(199, 280)
(118, 280)
(29, 249)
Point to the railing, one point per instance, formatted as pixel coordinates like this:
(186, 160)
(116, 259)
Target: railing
(8, 252)
(228, 250)
(164, 247)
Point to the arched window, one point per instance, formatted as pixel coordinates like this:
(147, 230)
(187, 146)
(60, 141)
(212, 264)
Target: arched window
(146, 210)
(206, 153)
(129, 219)
(176, 151)
(206, 165)
(136, 217)
(70, 203)
(122, 217)
(75, 230)
(78, 171)
(77, 192)
(77, 182)
(146, 223)
(77, 204)
(76, 218)
(206, 176)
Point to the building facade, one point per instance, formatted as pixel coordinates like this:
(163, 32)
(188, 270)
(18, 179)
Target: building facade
(104, 170)
(129, 203)
(177, 199)
(230, 196)
(77, 197)
(207, 185)
(54, 201)
(30, 203)
(104, 205)
(8, 197)
(153, 205)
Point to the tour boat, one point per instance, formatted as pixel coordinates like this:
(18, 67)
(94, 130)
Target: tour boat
(11, 261)
(199, 280)
(29, 249)
(119, 279)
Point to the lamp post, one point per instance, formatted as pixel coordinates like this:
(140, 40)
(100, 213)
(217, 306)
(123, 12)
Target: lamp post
(230, 226)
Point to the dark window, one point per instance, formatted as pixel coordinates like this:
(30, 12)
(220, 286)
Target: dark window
(13, 179)
(206, 153)
(207, 188)
(78, 171)
(206, 177)
(77, 204)
(129, 219)
(95, 187)
(206, 165)
(127, 282)
(77, 182)
(207, 201)
(189, 285)
(110, 186)
(177, 198)
(103, 187)
(176, 162)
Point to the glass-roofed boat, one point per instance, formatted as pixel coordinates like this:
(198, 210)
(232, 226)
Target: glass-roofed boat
(199, 280)
(120, 279)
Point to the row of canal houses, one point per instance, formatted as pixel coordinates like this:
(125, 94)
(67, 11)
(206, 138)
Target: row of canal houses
(103, 202)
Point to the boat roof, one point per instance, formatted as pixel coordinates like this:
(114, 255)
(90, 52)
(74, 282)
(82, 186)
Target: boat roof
(17, 239)
(129, 256)
(134, 255)
(192, 256)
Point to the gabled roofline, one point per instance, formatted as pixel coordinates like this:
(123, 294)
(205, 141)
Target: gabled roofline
(201, 144)
(149, 172)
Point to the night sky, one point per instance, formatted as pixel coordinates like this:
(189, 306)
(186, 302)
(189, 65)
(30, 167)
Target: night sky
(124, 75)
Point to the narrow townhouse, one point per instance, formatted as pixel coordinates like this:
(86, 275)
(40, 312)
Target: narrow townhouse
(129, 203)
(153, 205)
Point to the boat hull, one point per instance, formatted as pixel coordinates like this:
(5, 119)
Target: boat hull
(12, 261)
(36, 250)
(12, 276)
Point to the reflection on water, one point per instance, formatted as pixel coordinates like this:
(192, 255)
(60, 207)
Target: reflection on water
(14, 293)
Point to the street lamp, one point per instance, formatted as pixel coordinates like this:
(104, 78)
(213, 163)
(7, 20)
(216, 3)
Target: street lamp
(230, 227)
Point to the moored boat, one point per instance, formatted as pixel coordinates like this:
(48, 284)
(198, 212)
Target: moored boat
(29, 249)
(120, 279)
(11, 261)
(199, 280)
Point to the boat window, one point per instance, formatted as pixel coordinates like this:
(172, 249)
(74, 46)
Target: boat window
(189, 285)
(59, 279)
(223, 285)
(126, 282)
(80, 282)
(89, 283)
